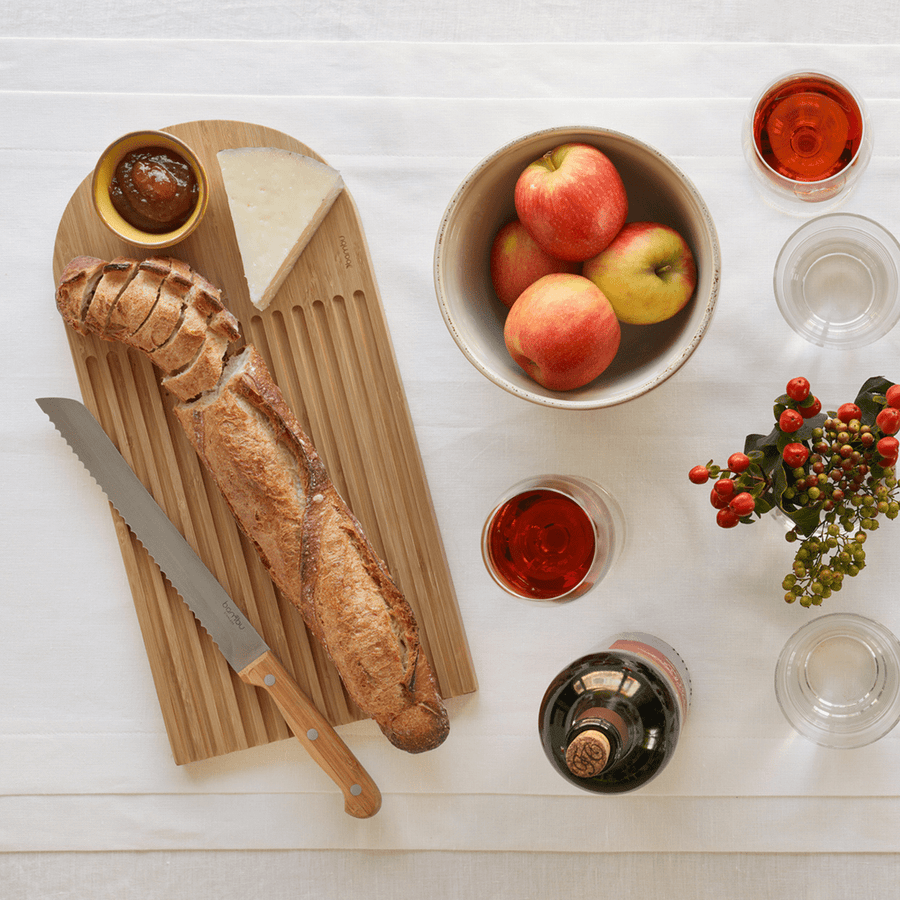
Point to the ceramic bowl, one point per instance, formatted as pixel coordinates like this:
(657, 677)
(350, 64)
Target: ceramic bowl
(657, 191)
(105, 171)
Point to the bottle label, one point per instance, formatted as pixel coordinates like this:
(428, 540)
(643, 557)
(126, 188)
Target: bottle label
(663, 658)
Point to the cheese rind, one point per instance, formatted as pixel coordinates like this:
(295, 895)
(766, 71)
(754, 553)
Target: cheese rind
(277, 199)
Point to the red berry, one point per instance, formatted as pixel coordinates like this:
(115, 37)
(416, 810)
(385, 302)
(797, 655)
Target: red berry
(724, 487)
(888, 448)
(738, 462)
(847, 412)
(699, 475)
(893, 396)
(888, 420)
(727, 518)
(717, 500)
(790, 420)
(743, 504)
(795, 455)
(810, 407)
(798, 389)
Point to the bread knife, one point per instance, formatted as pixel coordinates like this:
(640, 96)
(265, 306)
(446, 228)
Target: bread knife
(242, 646)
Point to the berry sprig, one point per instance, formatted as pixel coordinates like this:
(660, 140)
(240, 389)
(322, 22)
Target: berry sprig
(832, 474)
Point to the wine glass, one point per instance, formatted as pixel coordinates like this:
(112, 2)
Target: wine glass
(551, 538)
(807, 139)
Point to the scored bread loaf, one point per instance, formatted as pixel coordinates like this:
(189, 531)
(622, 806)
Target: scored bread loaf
(272, 479)
(159, 306)
(315, 550)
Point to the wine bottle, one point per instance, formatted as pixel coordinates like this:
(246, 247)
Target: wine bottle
(609, 722)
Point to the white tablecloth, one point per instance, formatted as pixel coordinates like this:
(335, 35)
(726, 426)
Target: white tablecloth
(404, 101)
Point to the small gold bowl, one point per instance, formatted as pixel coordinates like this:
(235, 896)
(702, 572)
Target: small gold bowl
(105, 170)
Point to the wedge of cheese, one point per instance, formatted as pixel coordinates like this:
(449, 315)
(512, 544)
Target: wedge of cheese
(277, 200)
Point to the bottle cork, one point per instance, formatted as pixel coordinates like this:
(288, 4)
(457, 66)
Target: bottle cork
(587, 753)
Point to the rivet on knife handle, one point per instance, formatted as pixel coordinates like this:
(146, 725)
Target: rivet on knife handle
(361, 795)
(247, 653)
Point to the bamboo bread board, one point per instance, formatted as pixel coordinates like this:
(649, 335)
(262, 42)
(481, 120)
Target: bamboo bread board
(326, 341)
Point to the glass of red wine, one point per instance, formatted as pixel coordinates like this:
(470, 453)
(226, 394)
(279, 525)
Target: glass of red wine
(551, 538)
(807, 139)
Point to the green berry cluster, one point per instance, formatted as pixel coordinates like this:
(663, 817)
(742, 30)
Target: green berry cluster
(832, 474)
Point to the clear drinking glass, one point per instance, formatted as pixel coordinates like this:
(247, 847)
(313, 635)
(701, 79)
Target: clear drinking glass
(807, 139)
(837, 281)
(551, 538)
(837, 680)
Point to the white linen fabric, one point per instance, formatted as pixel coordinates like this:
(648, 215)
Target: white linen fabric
(405, 106)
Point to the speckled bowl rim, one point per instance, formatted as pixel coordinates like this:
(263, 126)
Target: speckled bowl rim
(103, 174)
(558, 399)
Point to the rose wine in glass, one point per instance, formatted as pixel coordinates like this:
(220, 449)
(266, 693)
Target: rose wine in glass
(808, 128)
(542, 543)
(552, 538)
(807, 139)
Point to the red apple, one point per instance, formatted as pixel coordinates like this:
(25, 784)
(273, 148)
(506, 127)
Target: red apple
(572, 201)
(562, 331)
(648, 273)
(517, 261)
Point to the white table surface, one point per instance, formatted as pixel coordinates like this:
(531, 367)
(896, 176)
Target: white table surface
(404, 99)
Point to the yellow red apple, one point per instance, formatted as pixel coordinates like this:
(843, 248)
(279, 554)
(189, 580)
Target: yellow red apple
(572, 201)
(647, 273)
(562, 331)
(517, 261)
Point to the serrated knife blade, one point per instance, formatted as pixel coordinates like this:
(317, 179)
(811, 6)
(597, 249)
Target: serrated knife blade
(242, 646)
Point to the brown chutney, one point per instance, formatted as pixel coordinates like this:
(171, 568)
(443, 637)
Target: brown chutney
(154, 189)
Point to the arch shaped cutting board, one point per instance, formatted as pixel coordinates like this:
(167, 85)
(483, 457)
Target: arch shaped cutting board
(327, 343)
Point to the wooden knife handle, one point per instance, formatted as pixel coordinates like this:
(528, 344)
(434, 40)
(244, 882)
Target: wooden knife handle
(361, 795)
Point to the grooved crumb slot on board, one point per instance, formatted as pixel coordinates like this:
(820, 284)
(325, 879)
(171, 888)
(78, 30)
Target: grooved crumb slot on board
(326, 342)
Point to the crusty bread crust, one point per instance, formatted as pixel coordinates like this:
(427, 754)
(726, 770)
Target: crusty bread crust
(315, 550)
(272, 479)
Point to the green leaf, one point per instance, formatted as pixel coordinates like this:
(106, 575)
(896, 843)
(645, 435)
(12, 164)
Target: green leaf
(763, 450)
(806, 518)
(870, 399)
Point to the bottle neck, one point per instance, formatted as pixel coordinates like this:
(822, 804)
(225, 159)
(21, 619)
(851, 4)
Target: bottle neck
(590, 713)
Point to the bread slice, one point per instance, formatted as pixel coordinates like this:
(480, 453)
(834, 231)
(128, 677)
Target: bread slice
(184, 345)
(165, 316)
(76, 288)
(277, 200)
(203, 372)
(136, 302)
(117, 275)
(315, 550)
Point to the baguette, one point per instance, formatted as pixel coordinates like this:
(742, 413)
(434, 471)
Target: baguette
(272, 479)
(315, 550)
